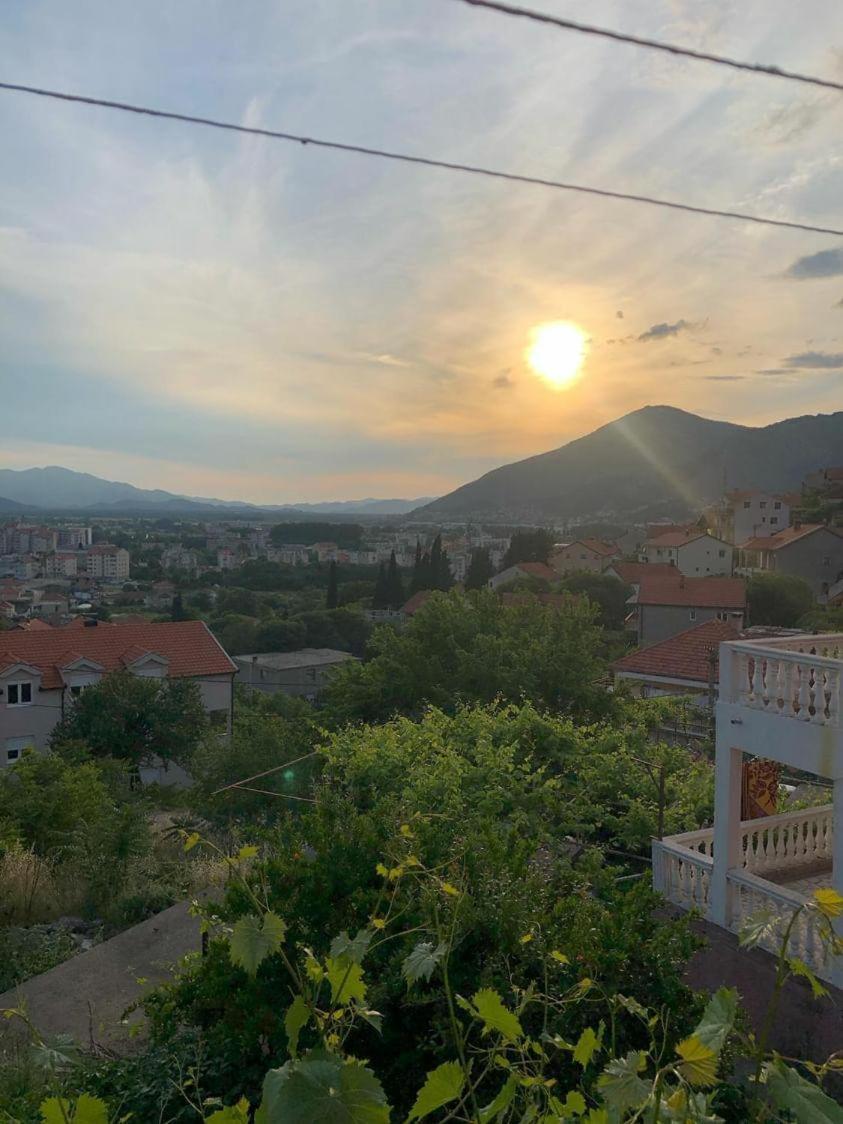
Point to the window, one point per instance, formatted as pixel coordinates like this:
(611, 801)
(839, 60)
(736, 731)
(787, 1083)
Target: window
(218, 719)
(777, 506)
(721, 553)
(76, 690)
(747, 503)
(774, 518)
(692, 614)
(19, 694)
(16, 746)
(722, 615)
(762, 504)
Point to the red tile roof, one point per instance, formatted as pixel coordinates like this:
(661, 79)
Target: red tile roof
(35, 625)
(675, 538)
(188, 646)
(784, 537)
(606, 549)
(632, 572)
(416, 601)
(538, 570)
(695, 593)
(684, 656)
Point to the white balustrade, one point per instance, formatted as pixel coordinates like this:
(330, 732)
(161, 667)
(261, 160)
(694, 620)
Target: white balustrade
(790, 840)
(753, 898)
(683, 876)
(793, 677)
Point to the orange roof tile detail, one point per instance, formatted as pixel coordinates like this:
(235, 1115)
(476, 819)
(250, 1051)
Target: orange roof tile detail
(699, 593)
(684, 656)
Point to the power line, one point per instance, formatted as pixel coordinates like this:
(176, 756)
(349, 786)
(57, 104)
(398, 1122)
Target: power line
(655, 44)
(425, 161)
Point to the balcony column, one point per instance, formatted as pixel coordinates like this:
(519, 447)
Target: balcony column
(727, 797)
(837, 870)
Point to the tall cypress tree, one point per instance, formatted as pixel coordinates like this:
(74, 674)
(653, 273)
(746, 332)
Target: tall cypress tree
(435, 563)
(380, 600)
(394, 585)
(480, 569)
(333, 595)
(416, 581)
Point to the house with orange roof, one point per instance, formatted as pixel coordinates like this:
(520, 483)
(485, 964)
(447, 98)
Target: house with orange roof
(589, 554)
(539, 571)
(694, 552)
(661, 607)
(810, 551)
(684, 664)
(43, 670)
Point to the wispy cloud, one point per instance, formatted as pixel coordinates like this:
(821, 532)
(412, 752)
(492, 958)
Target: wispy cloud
(826, 263)
(662, 331)
(818, 360)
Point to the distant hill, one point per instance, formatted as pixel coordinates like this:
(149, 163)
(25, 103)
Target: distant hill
(61, 489)
(655, 461)
(11, 507)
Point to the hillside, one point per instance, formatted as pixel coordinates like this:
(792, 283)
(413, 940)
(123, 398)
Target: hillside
(655, 461)
(11, 507)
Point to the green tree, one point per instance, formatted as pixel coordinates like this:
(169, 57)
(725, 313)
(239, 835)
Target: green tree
(529, 546)
(439, 576)
(472, 647)
(177, 609)
(394, 584)
(480, 569)
(380, 598)
(332, 596)
(241, 601)
(608, 593)
(48, 799)
(135, 718)
(778, 599)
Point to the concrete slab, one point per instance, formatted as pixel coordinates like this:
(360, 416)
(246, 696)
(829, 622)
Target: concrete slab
(86, 996)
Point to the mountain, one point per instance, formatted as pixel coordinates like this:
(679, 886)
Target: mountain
(57, 489)
(11, 507)
(654, 461)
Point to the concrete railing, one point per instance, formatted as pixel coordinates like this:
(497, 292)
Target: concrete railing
(796, 677)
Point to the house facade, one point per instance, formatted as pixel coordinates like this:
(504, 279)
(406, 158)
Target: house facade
(42, 671)
(302, 674)
(810, 551)
(592, 555)
(694, 553)
(661, 607)
(743, 514)
(540, 571)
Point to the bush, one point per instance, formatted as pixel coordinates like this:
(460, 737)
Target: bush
(778, 599)
(28, 952)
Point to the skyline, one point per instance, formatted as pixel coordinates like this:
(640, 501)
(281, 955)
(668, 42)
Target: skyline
(227, 316)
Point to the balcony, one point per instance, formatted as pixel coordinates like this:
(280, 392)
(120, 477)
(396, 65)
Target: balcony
(780, 699)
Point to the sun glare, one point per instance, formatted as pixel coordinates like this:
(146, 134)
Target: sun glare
(556, 352)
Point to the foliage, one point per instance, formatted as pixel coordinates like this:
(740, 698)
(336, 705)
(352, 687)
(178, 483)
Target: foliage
(529, 546)
(474, 648)
(136, 718)
(778, 599)
(480, 569)
(26, 952)
(332, 593)
(609, 594)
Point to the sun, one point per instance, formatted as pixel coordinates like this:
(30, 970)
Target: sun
(556, 351)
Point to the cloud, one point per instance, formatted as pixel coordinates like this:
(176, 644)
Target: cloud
(717, 351)
(816, 360)
(662, 331)
(503, 381)
(724, 378)
(839, 303)
(827, 263)
(619, 315)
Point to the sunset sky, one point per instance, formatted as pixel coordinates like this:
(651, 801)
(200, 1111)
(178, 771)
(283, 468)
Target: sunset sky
(223, 315)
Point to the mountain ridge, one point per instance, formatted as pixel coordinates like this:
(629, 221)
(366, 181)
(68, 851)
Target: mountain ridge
(658, 460)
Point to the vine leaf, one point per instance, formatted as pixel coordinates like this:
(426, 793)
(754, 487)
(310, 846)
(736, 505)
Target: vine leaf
(586, 1047)
(500, 1103)
(354, 948)
(718, 1018)
(488, 1006)
(800, 968)
(296, 1018)
(829, 902)
(422, 960)
(620, 1085)
(574, 1104)
(89, 1110)
(699, 1062)
(789, 1090)
(232, 1114)
(346, 980)
(441, 1086)
(255, 938)
(322, 1087)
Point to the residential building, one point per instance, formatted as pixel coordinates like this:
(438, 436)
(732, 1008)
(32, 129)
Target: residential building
(303, 674)
(630, 573)
(227, 559)
(663, 606)
(693, 552)
(180, 558)
(75, 537)
(810, 551)
(684, 664)
(42, 670)
(741, 515)
(825, 479)
(593, 555)
(107, 561)
(779, 700)
(521, 570)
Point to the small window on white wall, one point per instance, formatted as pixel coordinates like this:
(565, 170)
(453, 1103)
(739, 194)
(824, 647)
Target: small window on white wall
(692, 614)
(19, 694)
(15, 746)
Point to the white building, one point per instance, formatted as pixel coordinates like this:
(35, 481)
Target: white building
(780, 699)
(695, 553)
(107, 561)
(743, 515)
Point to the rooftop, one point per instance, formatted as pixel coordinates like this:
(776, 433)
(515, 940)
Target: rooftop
(632, 572)
(784, 537)
(187, 646)
(304, 657)
(695, 593)
(686, 656)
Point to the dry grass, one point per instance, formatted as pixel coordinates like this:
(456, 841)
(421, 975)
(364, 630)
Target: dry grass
(30, 890)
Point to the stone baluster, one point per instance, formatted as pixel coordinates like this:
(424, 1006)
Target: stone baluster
(755, 683)
(787, 689)
(802, 696)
